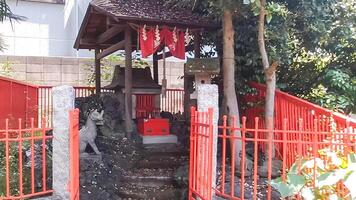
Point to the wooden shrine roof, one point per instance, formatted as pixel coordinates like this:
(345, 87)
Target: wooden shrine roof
(141, 79)
(103, 15)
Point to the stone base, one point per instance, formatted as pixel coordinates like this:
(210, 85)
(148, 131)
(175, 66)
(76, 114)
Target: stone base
(93, 158)
(162, 139)
(53, 197)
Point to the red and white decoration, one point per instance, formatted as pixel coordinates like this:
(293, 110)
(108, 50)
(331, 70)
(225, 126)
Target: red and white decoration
(152, 38)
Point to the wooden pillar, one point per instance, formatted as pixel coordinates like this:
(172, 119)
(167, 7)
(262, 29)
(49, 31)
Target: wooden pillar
(155, 67)
(128, 82)
(97, 72)
(188, 80)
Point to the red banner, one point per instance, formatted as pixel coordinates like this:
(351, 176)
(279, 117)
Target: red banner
(152, 38)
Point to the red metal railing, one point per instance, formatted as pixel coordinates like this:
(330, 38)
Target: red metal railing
(295, 144)
(200, 159)
(146, 106)
(18, 100)
(173, 101)
(74, 154)
(293, 109)
(45, 99)
(18, 175)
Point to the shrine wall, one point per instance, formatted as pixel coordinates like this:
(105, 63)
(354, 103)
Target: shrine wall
(55, 71)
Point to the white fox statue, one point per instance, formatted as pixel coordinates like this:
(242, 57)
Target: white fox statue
(88, 132)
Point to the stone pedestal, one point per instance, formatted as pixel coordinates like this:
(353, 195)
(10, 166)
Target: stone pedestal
(63, 102)
(161, 139)
(208, 97)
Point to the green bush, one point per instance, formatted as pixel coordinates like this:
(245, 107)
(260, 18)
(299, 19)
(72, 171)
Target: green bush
(26, 169)
(334, 170)
(322, 175)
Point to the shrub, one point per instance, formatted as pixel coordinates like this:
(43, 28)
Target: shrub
(26, 168)
(326, 174)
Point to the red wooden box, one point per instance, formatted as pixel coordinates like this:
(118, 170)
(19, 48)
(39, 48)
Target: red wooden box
(153, 126)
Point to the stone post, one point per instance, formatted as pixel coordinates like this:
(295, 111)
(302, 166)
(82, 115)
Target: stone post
(63, 102)
(208, 97)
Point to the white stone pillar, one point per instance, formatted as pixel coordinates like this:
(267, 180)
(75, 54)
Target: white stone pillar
(63, 102)
(208, 97)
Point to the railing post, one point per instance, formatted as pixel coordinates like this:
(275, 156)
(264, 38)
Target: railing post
(74, 154)
(63, 102)
(208, 99)
(192, 156)
(7, 157)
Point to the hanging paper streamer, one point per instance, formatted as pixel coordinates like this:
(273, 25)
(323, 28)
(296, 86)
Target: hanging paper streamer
(174, 40)
(152, 38)
(187, 37)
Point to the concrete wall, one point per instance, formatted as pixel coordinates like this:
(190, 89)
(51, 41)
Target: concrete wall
(48, 70)
(49, 30)
(71, 71)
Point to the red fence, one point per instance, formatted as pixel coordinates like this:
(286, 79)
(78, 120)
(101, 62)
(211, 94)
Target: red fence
(173, 101)
(45, 99)
(18, 100)
(74, 154)
(145, 106)
(24, 157)
(299, 113)
(298, 147)
(292, 108)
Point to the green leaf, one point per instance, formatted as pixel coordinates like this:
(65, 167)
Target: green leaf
(335, 160)
(307, 193)
(349, 182)
(294, 168)
(351, 162)
(296, 181)
(352, 158)
(310, 164)
(284, 189)
(330, 178)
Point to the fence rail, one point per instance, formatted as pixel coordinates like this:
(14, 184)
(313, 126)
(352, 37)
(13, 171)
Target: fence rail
(173, 101)
(45, 99)
(74, 154)
(24, 156)
(248, 181)
(18, 100)
(292, 108)
(300, 114)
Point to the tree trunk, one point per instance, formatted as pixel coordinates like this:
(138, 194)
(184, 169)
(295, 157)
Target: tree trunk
(270, 78)
(229, 80)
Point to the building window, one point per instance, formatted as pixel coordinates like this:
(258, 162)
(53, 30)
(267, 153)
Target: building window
(47, 1)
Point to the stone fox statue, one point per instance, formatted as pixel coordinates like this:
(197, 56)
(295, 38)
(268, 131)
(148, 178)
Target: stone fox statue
(88, 132)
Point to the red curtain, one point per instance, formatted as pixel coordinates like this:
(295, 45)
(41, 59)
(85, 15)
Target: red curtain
(152, 38)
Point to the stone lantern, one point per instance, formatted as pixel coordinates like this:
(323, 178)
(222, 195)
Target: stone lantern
(202, 69)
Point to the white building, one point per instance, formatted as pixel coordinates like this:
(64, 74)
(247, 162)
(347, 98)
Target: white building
(49, 30)
(40, 49)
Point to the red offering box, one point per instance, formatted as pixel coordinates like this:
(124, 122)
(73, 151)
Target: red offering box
(153, 126)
